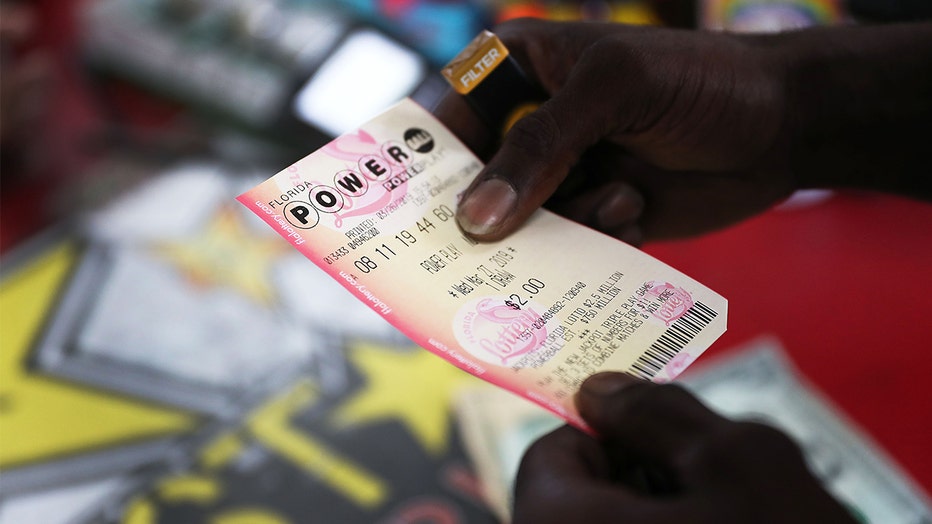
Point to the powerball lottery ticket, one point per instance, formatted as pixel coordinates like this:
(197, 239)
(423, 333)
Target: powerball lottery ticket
(535, 313)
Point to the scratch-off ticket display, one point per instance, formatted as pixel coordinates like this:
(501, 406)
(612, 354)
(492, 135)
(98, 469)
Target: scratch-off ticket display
(535, 313)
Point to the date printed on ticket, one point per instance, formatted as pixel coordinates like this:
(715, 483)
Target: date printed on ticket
(535, 313)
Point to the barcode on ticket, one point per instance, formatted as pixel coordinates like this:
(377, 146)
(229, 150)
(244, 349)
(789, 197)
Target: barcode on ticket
(672, 341)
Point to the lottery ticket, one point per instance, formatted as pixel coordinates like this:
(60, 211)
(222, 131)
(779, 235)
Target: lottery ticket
(535, 313)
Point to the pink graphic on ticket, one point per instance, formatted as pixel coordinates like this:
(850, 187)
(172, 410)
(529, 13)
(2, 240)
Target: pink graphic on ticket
(499, 331)
(673, 301)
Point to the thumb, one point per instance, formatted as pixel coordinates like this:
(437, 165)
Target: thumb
(657, 421)
(535, 157)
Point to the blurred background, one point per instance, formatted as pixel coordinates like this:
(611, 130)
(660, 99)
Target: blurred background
(165, 357)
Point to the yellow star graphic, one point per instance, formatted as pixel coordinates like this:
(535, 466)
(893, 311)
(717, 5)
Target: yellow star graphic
(226, 254)
(415, 387)
(41, 418)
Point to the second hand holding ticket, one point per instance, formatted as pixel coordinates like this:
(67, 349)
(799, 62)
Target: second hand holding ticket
(535, 313)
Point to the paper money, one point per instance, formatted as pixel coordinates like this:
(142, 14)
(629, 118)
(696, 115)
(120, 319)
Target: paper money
(757, 384)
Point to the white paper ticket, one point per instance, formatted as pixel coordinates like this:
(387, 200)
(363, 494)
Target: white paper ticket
(535, 313)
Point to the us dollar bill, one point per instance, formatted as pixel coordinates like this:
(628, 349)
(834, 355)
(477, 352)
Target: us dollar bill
(758, 383)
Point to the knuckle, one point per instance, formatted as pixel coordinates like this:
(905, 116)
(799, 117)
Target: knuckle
(615, 51)
(603, 48)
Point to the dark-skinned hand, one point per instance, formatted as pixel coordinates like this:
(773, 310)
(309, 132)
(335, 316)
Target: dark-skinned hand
(657, 133)
(663, 457)
(667, 131)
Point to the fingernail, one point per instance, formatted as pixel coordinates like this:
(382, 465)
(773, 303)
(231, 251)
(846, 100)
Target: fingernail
(486, 207)
(606, 384)
(623, 205)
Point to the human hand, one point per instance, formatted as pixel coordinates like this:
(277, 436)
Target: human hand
(664, 457)
(669, 133)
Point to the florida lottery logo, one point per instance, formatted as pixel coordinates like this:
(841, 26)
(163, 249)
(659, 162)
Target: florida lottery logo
(495, 330)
